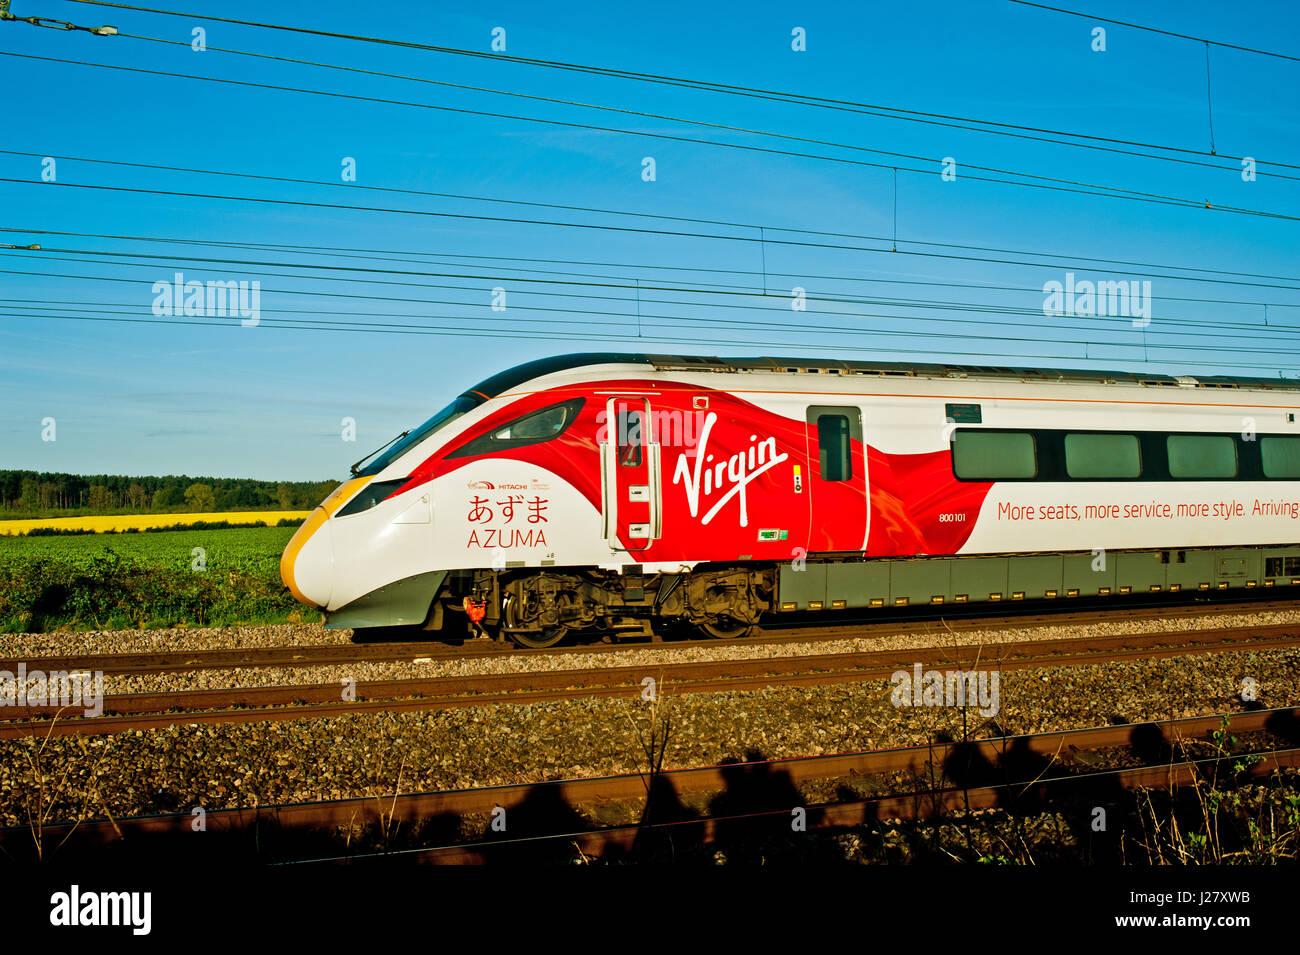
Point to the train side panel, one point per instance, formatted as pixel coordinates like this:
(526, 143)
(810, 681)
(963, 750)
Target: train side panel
(845, 486)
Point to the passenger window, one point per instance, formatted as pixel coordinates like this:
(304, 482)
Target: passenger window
(630, 438)
(834, 448)
(1202, 456)
(1102, 456)
(1281, 456)
(994, 455)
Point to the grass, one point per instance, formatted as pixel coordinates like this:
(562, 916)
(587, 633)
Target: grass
(164, 579)
(1223, 816)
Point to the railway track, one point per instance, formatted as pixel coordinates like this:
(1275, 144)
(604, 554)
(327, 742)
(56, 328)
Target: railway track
(946, 777)
(811, 632)
(681, 835)
(139, 711)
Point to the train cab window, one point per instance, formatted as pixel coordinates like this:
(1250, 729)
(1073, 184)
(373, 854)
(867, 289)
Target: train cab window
(543, 425)
(1098, 456)
(834, 447)
(630, 432)
(371, 495)
(994, 455)
(1206, 456)
(1281, 454)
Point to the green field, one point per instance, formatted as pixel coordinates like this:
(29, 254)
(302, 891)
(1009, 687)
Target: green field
(159, 579)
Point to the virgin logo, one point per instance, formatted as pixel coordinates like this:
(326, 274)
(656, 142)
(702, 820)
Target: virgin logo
(727, 478)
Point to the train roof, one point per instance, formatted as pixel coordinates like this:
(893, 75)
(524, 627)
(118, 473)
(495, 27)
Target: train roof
(512, 377)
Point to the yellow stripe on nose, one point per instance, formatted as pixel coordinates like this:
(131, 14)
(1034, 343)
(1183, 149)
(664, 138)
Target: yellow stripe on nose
(319, 516)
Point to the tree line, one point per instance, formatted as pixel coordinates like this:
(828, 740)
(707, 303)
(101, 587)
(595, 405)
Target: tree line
(41, 494)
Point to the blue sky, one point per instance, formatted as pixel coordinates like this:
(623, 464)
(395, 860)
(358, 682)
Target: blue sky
(217, 398)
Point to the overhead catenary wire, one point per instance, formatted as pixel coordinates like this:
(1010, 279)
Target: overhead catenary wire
(755, 92)
(532, 327)
(644, 114)
(330, 183)
(1275, 332)
(533, 334)
(626, 284)
(762, 237)
(567, 294)
(768, 302)
(1276, 337)
(1055, 184)
(1135, 26)
(634, 284)
(434, 258)
(515, 220)
(1055, 331)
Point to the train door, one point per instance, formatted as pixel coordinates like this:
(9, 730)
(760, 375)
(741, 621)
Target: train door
(837, 482)
(630, 475)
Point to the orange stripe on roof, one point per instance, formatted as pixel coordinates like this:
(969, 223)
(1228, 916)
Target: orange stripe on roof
(858, 394)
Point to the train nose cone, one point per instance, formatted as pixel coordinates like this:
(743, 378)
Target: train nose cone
(307, 565)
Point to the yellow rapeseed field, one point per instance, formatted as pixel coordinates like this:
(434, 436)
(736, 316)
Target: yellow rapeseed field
(119, 522)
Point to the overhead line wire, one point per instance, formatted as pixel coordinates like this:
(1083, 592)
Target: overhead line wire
(1137, 26)
(708, 85)
(398, 255)
(532, 334)
(642, 114)
(1055, 184)
(943, 306)
(613, 228)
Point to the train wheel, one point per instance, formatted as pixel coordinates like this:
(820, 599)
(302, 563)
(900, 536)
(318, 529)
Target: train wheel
(538, 639)
(726, 628)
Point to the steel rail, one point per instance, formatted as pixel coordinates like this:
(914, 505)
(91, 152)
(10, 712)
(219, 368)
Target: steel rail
(256, 704)
(913, 806)
(925, 763)
(164, 661)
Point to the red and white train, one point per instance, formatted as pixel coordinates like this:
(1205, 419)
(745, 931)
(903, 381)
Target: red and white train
(611, 490)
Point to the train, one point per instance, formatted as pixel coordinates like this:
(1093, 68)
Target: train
(615, 493)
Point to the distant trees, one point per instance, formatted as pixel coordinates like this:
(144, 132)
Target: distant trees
(239, 496)
(30, 494)
(167, 498)
(199, 497)
(136, 497)
(33, 493)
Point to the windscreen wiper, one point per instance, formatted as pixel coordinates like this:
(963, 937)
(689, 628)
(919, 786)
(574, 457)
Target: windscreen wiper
(376, 451)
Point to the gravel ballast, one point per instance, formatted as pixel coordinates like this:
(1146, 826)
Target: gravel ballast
(925, 635)
(223, 766)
